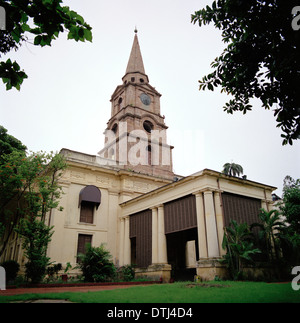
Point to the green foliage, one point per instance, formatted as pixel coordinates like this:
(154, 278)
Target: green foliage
(36, 236)
(53, 270)
(290, 207)
(42, 19)
(260, 60)
(12, 268)
(33, 178)
(8, 144)
(127, 273)
(11, 74)
(290, 234)
(240, 248)
(68, 267)
(269, 223)
(96, 264)
(29, 189)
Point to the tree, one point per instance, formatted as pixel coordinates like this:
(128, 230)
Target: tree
(36, 236)
(8, 144)
(237, 241)
(42, 19)
(232, 169)
(290, 234)
(261, 59)
(29, 190)
(96, 264)
(270, 223)
(290, 207)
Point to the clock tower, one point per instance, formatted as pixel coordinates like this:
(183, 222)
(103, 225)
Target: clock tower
(136, 132)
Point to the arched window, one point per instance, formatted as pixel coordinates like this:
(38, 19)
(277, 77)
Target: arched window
(120, 105)
(115, 128)
(89, 198)
(148, 126)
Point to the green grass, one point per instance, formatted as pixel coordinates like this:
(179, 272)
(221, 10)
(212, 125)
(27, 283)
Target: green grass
(212, 292)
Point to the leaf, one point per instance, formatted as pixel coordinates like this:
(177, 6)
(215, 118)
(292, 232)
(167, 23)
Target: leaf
(37, 40)
(88, 35)
(25, 27)
(210, 87)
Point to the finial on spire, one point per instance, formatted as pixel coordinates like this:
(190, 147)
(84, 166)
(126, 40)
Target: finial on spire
(135, 30)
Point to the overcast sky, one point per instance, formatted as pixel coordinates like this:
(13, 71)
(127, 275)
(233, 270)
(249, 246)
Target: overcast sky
(65, 102)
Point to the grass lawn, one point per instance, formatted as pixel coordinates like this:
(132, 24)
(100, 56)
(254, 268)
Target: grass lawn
(181, 292)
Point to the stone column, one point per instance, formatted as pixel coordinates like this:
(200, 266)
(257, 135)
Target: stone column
(201, 226)
(220, 221)
(127, 249)
(264, 205)
(121, 243)
(211, 228)
(154, 236)
(162, 241)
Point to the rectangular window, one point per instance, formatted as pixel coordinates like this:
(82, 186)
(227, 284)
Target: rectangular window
(83, 241)
(87, 212)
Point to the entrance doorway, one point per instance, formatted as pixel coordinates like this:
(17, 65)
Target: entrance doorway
(181, 254)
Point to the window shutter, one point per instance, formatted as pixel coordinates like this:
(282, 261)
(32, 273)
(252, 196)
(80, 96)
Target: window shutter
(83, 240)
(87, 212)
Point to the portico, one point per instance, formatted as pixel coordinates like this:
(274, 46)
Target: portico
(186, 219)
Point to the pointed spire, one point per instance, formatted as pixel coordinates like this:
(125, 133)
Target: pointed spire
(135, 63)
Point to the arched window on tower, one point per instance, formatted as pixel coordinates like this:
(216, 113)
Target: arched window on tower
(120, 105)
(115, 128)
(148, 126)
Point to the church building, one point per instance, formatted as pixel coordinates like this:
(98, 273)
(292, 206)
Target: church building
(128, 197)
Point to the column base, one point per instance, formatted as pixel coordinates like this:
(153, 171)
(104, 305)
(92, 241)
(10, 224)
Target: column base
(159, 272)
(210, 268)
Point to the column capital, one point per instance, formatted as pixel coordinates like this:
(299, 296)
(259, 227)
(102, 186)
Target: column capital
(198, 193)
(207, 190)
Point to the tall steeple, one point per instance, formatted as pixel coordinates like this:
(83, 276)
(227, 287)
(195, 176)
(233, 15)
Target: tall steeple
(135, 63)
(135, 67)
(136, 128)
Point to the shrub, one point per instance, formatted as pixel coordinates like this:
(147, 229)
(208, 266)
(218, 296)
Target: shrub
(96, 264)
(127, 273)
(36, 268)
(11, 267)
(53, 270)
(240, 249)
(36, 236)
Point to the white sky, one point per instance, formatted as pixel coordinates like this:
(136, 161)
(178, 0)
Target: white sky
(65, 101)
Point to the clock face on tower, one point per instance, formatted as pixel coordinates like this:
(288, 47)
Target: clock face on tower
(145, 99)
